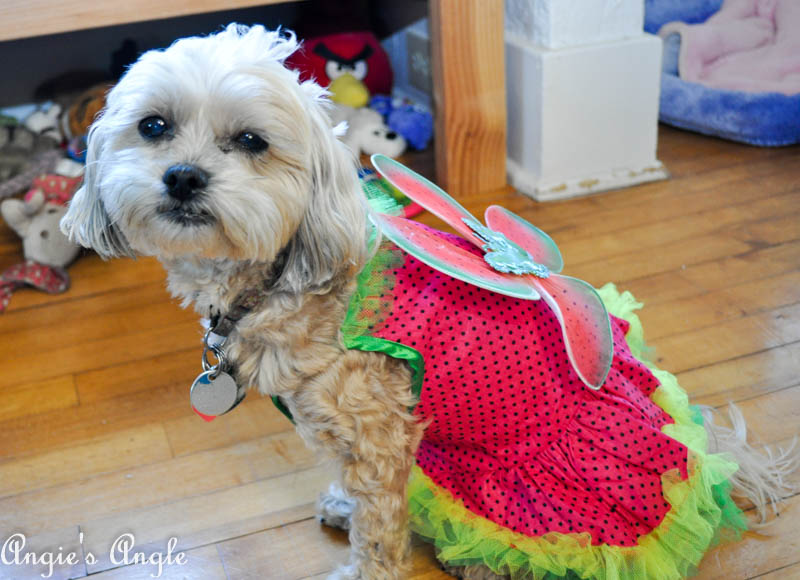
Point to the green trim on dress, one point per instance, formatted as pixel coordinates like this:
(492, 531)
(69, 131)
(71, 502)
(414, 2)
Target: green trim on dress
(371, 304)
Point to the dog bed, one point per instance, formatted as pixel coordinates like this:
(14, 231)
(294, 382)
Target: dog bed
(764, 119)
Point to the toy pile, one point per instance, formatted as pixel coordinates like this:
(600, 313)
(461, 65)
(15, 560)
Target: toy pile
(42, 152)
(356, 70)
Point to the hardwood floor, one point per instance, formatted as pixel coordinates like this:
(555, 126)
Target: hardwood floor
(97, 438)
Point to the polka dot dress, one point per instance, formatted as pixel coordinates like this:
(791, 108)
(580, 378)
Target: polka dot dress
(514, 433)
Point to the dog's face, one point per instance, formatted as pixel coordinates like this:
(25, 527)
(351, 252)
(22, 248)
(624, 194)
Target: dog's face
(212, 148)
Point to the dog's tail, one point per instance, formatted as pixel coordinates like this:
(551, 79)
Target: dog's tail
(762, 478)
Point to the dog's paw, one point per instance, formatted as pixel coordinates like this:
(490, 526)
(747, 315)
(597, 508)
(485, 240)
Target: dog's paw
(349, 572)
(335, 508)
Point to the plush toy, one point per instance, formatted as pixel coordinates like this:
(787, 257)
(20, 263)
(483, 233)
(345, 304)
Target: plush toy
(40, 163)
(24, 154)
(76, 149)
(69, 167)
(47, 251)
(414, 123)
(59, 123)
(45, 121)
(353, 65)
(83, 110)
(18, 146)
(367, 133)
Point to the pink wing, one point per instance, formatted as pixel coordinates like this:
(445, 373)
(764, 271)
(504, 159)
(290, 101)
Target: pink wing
(584, 323)
(441, 254)
(583, 317)
(427, 194)
(533, 240)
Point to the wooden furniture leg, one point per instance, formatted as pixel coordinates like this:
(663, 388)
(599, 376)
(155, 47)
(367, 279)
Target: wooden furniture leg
(467, 50)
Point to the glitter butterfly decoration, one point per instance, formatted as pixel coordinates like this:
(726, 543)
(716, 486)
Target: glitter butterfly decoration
(519, 260)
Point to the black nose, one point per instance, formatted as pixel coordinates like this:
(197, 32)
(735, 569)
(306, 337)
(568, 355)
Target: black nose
(391, 135)
(185, 181)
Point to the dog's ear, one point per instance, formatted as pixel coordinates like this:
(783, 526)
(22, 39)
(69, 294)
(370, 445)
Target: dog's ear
(86, 221)
(332, 238)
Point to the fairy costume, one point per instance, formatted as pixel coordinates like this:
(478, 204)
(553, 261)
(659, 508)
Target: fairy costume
(522, 467)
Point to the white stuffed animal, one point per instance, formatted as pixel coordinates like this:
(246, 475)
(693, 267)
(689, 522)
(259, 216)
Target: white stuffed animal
(36, 222)
(367, 133)
(45, 121)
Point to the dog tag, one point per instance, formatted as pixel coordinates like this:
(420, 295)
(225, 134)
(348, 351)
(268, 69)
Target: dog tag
(212, 397)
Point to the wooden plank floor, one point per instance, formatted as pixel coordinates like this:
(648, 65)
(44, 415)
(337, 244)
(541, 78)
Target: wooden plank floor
(97, 438)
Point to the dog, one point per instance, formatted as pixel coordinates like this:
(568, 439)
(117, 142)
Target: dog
(213, 157)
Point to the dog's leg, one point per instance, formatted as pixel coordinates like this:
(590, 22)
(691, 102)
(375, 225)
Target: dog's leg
(379, 537)
(358, 410)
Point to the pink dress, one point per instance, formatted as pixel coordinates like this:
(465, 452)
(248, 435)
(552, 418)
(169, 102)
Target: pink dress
(516, 442)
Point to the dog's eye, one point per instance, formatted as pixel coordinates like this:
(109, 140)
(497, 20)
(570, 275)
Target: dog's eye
(251, 142)
(152, 127)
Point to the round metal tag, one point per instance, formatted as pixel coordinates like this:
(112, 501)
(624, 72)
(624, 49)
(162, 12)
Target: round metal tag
(215, 396)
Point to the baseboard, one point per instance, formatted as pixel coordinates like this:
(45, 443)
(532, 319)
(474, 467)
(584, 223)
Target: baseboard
(529, 184)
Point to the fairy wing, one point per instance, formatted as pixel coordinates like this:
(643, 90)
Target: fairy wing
(582, 315)
(441, 254)
(584, 324)
(427, 194)
(533, 240)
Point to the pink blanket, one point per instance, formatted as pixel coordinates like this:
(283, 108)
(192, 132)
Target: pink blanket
(749, 45)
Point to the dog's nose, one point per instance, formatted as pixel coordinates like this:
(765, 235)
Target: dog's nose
(391, 135)
(184, 181)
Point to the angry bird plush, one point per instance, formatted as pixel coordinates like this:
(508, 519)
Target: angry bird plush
(353, 65)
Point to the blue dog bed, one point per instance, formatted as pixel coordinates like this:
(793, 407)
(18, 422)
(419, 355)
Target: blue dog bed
(765, 119)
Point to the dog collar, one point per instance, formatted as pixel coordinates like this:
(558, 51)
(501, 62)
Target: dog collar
(215, 391)
(245, 302)
(220, 327)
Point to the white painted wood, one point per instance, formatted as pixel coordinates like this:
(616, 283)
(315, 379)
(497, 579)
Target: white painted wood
(582, 119)
(558, 24)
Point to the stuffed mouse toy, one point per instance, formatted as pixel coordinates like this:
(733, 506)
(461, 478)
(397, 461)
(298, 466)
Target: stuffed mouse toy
(47, 251)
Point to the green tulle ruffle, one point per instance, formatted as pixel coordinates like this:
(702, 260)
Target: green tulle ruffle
(702, 512)
(369, 306)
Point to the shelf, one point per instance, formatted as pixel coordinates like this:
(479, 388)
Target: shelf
(26, 18)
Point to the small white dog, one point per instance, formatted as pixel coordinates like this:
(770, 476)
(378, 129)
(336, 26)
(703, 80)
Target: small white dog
(213, 157)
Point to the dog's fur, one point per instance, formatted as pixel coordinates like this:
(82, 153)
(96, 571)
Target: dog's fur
(301, 199)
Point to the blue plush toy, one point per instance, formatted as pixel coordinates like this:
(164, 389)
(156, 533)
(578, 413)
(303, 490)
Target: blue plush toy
(414, 123)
